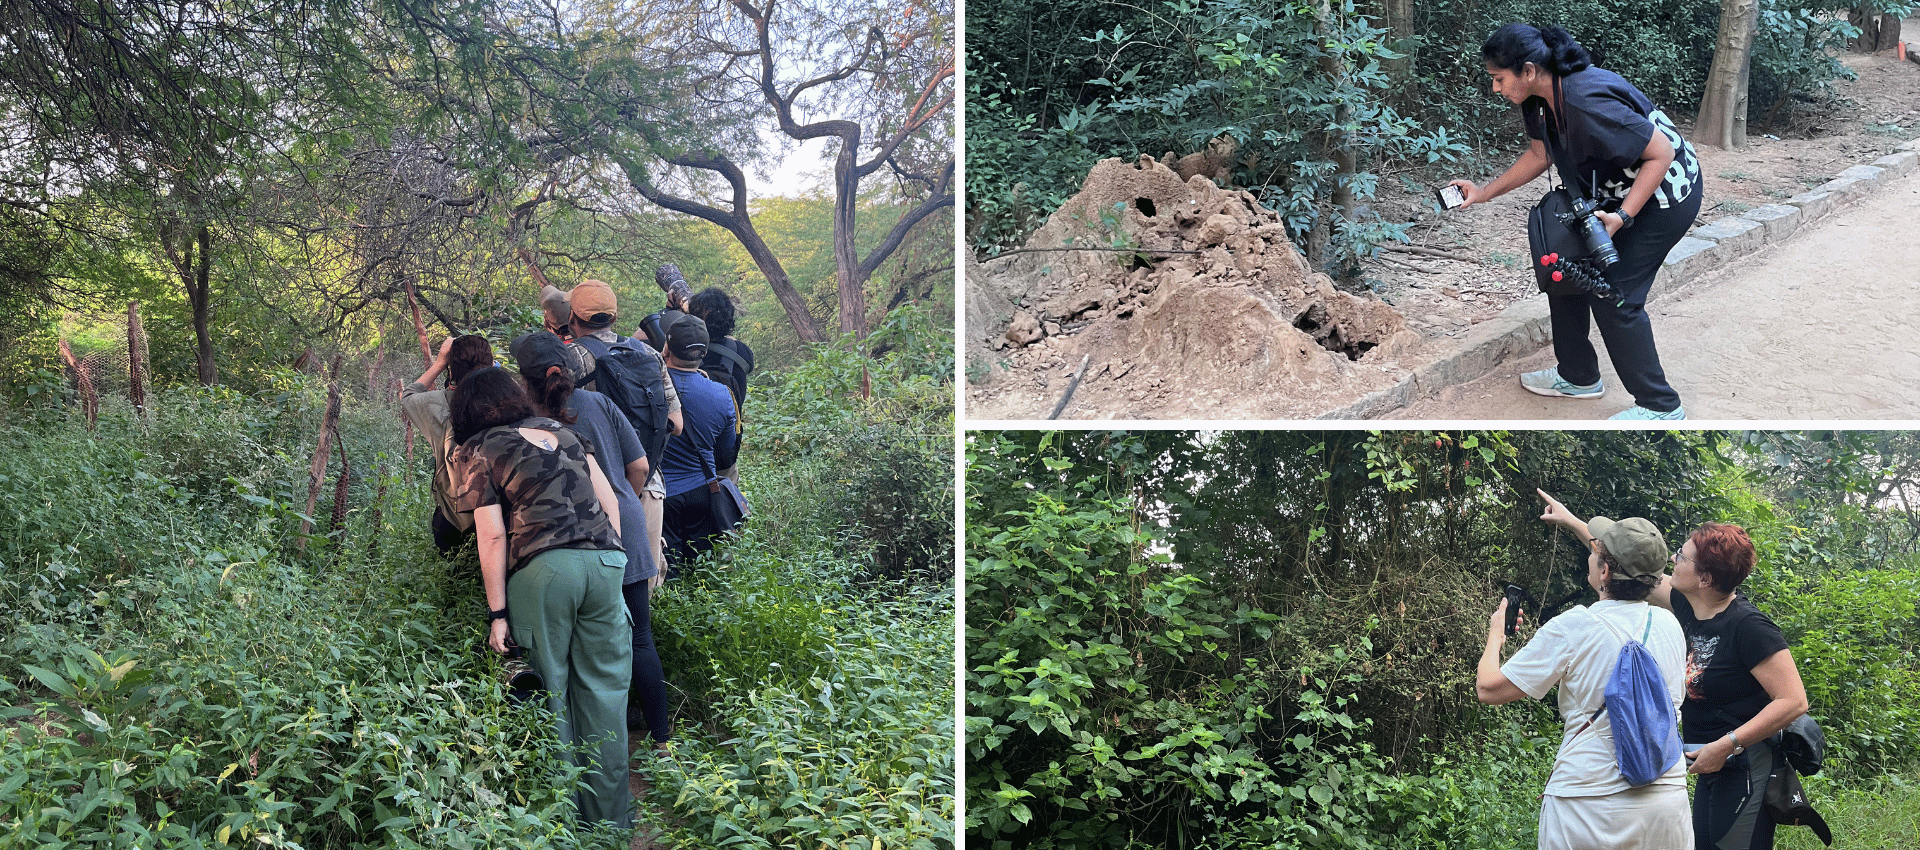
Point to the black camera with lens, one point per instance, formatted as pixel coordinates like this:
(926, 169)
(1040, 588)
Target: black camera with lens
(1591, 230)
(1570, 246)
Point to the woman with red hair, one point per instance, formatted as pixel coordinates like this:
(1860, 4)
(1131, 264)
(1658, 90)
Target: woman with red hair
(1741, 683)
(1742, 687)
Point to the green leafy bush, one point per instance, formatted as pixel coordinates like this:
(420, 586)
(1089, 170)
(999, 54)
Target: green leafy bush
(866, 447)
(1098, 679)
(859, 749)
(239, 694)
(178, 668)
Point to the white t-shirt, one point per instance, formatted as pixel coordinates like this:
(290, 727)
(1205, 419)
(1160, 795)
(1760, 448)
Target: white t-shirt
(1578, 653)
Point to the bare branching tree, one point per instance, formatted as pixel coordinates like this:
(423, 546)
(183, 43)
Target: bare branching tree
(877, 82)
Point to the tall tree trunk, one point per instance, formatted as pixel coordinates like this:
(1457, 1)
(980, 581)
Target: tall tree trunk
(1877, 31)
(200, 295)
(136, 359)
(1723, 111)
(191, 256)
(1396, 17)
(1346, 159)
(848, 283)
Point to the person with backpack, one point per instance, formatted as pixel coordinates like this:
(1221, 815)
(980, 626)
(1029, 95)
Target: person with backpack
(542, 362)
(633, 377)
(695, 457)
(729, 361)
(1612, 146)
(1609, 789)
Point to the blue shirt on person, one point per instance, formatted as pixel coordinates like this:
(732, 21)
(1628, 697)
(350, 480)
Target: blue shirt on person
(708, 441)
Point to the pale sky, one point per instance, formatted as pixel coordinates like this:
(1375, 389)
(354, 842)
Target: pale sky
(803, 169)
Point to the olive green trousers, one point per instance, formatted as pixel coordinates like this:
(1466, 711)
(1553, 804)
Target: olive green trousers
(567, 612)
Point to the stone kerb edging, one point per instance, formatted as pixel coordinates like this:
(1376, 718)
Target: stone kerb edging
(1522, 328)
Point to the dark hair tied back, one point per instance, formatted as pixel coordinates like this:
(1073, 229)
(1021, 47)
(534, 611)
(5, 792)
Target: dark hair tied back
(1550, 47)
(550, 388)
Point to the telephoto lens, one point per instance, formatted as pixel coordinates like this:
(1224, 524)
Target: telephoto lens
(523, 683)
(670, 281)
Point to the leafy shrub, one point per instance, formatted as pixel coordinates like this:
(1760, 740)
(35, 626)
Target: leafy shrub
(859, 750)
(875, 470)
(197, 676)
(760, 613)
(1794, 55)
(1664, 48)
(235, 694)
(1018, 173)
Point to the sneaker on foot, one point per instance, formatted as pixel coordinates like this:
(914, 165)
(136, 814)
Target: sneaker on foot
(1548, 382)
(1638, 412)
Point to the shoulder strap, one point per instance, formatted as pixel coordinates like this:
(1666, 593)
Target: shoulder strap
(728, 352)
(1624, 640)
(593, 345)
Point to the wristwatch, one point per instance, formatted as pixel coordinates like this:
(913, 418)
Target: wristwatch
(1738, 748)
(1626, 219)
(499, 614)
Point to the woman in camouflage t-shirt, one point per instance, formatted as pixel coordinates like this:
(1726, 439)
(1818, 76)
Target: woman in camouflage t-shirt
(551, 563)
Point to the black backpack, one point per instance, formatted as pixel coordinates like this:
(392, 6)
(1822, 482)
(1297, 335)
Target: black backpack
(634, 381)
(724, 364)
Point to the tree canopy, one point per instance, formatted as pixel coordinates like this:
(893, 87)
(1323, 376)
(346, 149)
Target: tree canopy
(279, 173)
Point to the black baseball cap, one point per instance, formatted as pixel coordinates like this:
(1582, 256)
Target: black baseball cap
(687, 338)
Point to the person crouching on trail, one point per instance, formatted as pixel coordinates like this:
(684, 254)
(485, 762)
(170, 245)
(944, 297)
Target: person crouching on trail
(1611, 145)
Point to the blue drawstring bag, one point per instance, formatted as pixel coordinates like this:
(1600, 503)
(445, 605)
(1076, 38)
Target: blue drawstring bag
(1646, 734)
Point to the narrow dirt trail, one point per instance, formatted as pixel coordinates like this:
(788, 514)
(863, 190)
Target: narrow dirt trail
(1825, 326)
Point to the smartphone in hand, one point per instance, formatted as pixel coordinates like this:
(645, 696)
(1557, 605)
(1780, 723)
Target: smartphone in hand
(1515, 594)
(1449, 196)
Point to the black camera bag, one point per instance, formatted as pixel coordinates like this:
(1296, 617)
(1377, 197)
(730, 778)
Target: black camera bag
(1548, 236)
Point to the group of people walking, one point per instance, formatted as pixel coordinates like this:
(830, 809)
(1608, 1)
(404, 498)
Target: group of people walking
(1726, 667)
(585, 481)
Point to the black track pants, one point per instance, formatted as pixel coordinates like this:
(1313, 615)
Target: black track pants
(1624, 325)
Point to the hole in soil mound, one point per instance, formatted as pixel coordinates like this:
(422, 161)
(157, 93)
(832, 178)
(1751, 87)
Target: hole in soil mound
(1314, 322)
(1144, 205)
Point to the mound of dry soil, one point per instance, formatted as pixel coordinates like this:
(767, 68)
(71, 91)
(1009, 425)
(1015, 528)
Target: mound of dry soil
(1209, 313)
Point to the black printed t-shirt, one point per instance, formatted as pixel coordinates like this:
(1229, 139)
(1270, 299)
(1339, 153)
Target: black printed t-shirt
(1721, 655)
(1597, 144)
(545, 495)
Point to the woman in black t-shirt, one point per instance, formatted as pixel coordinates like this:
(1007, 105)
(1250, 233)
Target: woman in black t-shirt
(1742, 687)
(1612, 145)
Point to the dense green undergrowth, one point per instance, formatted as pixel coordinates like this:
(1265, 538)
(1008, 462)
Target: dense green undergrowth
(180, 670)
(1252, 640)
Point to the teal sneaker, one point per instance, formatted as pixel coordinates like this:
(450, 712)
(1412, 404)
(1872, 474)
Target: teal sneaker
(1548, 382)
(1638, 412)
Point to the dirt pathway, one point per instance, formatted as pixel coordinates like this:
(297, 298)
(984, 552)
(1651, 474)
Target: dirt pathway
(1825, 326)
